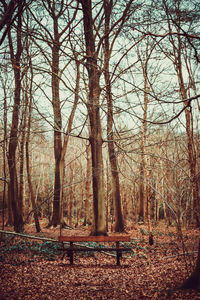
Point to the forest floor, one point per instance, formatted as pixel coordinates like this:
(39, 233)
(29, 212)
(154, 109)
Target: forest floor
(32, 269)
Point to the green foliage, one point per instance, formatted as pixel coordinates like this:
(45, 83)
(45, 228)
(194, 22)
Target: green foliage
(136, 245)
(144, 231)
(47, 250)
(90, 245)
(51, 251)
(160, 233)
(172, 234)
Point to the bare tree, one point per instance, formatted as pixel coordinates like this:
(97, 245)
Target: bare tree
(9, 12)
(119, 223)
(28, 103)
(4, 150)
(99, 224)
(13, 141)
(56, 38)
(177, 48)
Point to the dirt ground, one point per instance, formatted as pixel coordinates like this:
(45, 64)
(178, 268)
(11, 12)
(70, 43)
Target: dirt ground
(148, 272)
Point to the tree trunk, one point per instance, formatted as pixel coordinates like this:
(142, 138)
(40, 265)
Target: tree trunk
(57, 124)
(119, 222)
(143, 166)
(193, 282)
(141, 214)
(60, 146)
(191, 147)
(21, 156)
(28, 169)
(10, 221)
(87, 219)
(99, 221)
(177, 53)
(66, 139)
(13, 141)
(5, 139)
(70, 196)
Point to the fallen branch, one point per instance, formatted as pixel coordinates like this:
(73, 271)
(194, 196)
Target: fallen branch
(28, 236)
(180, 254)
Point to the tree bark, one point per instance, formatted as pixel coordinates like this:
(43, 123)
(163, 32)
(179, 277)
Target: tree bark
(4, 148)
(21, 156)
(193, 281)
(13, 141)
(28, 168)
(87, 218)
(66, 139)
(177, 53)
(60, 146)
(119, 222)
(57, 123)
(99, 221)
(190, 141)
(11, 11)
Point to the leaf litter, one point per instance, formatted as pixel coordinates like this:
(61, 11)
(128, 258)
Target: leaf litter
(35, 270)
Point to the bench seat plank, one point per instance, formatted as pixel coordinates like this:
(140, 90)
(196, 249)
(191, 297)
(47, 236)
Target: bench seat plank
(113, 238)
(95, 249)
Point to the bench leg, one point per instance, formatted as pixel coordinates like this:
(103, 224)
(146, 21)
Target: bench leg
(63, 251)
(71, 254)
(118, 253)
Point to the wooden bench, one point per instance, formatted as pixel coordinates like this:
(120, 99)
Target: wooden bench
(99, 239)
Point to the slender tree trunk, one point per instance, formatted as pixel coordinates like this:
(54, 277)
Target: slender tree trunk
(32, 197)
(143, 166)
(145, 162)
(193, 281)
(13, 141)
(177, 53)
(60, 146)
(5, 109)
(57, 124)
(28, 168)
(87, 219)
(99, 224)
(80, 202)
(145, 171)
(119, 222)
(190, 144)
(10, 220)
(141, 214)
(66, 139)
(70, 197)
(21, 158)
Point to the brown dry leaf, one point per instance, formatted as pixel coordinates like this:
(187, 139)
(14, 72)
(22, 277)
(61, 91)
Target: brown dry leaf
(145, 276)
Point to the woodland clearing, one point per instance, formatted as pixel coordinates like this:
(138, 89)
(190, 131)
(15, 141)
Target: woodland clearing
(33, 269)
